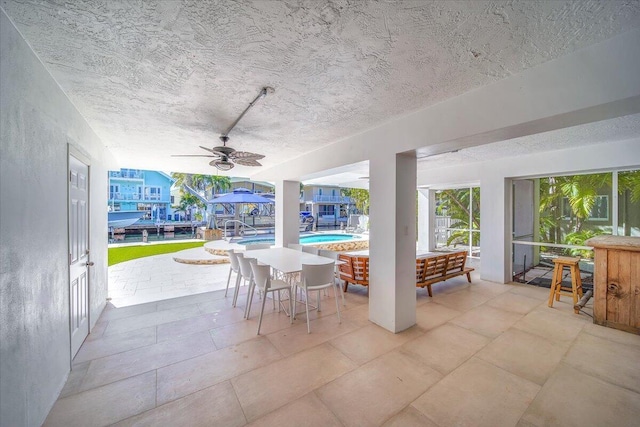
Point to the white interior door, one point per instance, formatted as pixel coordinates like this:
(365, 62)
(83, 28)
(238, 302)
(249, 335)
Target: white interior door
(78, 252)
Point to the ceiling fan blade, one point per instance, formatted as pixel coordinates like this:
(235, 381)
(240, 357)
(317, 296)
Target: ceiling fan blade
(247, 162)
(245, 155)
(193, 155)
(208, 149)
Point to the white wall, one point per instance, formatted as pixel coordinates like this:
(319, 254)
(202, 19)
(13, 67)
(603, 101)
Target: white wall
(495, 189)
(37, 123)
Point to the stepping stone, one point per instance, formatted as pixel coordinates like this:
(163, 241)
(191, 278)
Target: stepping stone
(199, 256)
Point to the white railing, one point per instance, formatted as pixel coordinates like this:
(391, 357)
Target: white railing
(317, 198)
(243, 225)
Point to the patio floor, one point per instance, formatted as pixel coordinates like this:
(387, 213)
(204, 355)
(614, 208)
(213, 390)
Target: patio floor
(483, 354)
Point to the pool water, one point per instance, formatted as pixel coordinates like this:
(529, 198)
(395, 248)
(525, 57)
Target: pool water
(316, 238)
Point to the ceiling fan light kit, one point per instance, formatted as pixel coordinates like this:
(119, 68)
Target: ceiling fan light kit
(225, 157)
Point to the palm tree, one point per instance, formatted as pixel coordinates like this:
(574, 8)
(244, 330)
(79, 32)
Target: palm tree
(454, 203)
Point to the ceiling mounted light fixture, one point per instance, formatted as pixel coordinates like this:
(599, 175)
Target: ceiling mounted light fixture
(222, 164)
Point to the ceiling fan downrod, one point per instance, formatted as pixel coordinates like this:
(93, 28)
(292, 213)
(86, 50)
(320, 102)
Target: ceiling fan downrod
(263, 92)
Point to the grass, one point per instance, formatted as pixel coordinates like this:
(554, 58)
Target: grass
(127, 253)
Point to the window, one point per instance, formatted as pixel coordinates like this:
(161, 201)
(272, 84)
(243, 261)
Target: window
(599, 210)
(114, 191)
(457, 221)
(153, 193)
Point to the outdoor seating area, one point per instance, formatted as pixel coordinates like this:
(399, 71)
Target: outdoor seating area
(195, 360)
(430, 269)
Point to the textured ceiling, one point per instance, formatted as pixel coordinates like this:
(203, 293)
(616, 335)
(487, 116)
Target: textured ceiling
(609, 131)
(156, 78)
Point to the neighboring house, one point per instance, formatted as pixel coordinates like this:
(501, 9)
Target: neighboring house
(254, 186)
(325, 203)
(141, 190)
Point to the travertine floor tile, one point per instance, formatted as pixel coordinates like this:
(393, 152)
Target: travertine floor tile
(268, 388)
(155, 318)
(204, 322)
(296, 338)
(374, 392)
(526, 355)
(610, 361)
(113, 313)
(486, 320)
(514, 302)
(477, 394)
(530, 291)
(463, 300)
(446, 347)
(371, 341)
(573, 398)
(551, 325)
(611, 334)
(133, 362)
(489, 288)
(410, 417)
(117, 343)
(358, 315)
(105, 405)
(214, 406)
(429, 316)
(308, 411)
(188, 376)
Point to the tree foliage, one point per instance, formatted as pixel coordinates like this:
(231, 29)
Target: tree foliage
(360, 197)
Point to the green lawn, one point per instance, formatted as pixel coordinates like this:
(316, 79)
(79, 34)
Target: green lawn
(126, 253)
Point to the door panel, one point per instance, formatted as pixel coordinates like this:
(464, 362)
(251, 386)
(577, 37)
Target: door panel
(78, 252)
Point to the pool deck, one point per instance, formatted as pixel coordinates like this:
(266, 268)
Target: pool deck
(187, 272)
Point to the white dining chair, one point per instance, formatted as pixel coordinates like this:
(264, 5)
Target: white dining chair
(263, 281)
(295, 246)
(336, 271)
(234, 267)
(316, 278)
(310, 250)
(245, 274)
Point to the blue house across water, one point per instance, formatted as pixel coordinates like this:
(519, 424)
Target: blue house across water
(141, 190)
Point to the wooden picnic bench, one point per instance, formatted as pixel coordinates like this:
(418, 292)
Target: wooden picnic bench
(429, 270)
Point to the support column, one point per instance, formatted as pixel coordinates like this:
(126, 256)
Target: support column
(392, 244)
(495, 238)
(287, 212)
(426, 220)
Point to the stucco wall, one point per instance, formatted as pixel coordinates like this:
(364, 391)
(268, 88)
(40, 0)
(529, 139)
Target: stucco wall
(37, 124)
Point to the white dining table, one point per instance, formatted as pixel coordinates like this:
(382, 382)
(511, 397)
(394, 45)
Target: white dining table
(285, 260)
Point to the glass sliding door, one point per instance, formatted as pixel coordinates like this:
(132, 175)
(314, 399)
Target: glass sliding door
(554, 216)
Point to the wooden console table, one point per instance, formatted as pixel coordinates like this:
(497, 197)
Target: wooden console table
(617, 282)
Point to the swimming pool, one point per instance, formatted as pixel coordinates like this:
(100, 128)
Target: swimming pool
(314, 238)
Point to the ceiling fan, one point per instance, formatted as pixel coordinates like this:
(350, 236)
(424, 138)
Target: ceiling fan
(224, 157)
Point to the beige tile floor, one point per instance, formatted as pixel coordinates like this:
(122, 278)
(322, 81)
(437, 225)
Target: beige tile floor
(480, 355)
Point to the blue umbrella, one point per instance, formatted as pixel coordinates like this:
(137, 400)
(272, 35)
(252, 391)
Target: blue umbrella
(240, 195)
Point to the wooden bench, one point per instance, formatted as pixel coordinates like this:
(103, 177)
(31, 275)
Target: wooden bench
(440, 268)
(429, 270)
(354, 270)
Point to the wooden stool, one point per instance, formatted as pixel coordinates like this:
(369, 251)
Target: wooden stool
(576, 282)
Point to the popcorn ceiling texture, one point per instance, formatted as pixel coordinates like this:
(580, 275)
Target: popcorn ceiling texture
(156, 78)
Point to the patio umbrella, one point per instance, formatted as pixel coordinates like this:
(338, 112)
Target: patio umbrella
(240, 196)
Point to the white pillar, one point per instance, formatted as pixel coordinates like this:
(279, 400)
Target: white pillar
(392, 244)
(495, 237)
(426, 220)
(287, 212)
